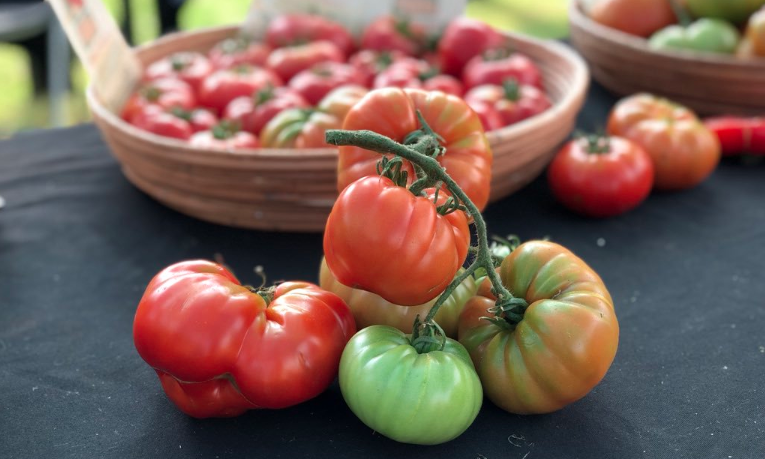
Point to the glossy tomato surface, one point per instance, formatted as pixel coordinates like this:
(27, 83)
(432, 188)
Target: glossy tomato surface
(387, 33)
(462, 40)
(162, 93)
(299, 29)
(636, 17)
(513, 102)
(255, 111)
(315, 83)
(223, 86)
(238, 51)
(288, 62)
(498, 66)
(298, 128)
(190, 67)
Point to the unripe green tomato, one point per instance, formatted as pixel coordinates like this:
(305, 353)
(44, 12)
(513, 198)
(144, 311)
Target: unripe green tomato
(706, 35)
(425, 399)
(736, 11)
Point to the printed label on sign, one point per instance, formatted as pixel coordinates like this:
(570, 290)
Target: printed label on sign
(354, 14)
(108, 59)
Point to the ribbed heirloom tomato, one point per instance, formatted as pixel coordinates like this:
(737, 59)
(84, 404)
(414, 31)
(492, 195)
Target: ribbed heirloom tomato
(560, 347)
(392, 113)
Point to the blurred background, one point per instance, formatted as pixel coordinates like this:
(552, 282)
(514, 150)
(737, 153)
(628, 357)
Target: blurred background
(23, 45)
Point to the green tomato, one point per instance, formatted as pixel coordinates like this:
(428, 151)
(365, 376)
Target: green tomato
(732, 10)
(707, 35)
(425, 399)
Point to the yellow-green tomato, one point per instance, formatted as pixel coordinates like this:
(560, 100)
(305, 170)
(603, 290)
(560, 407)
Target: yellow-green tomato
(425, 399)
(705, 35)
(371, 309)
(731, 10)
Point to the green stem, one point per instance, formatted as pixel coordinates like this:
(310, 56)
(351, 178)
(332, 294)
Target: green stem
(682, 15)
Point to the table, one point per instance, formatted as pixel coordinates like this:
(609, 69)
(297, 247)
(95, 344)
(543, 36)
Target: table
(78, 245)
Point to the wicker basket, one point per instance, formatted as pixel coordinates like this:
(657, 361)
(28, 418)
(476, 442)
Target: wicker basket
(293, 190)
(708, 83)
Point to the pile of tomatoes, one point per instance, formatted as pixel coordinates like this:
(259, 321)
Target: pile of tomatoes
(301, 80)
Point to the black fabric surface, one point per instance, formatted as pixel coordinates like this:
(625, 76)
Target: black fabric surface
(78, 244)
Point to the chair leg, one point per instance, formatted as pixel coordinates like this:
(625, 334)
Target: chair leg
(58, 72)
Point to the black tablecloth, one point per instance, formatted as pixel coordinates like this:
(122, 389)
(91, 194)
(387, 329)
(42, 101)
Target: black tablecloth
(78, 244)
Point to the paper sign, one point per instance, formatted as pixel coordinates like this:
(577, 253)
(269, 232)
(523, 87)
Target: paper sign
(108, 59)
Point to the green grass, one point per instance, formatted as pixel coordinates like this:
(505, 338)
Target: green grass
(20, 110)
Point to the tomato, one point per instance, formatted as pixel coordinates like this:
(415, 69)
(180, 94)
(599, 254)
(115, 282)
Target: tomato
(684, 152)
(157, 121)
(340, 101)
(370, 309)
(382, 238)
(564, 342)
(288, 62)
(220, 348)
(392, 113)
(496, 66)
(233, 52)
(223, 86)
(514, 103)
(164, 93)
(444, 83)
(464, 39)
(369, 62)
(298, 128)
(489, 116)
(254, 112)
(224, 136)
(299, 29)
(601, 176)
(731, 10)
(426, 398)
(387, 33)
(404, 73)
(636, 17)
(315, 83)
(755, 33)
(190, 67)
(738, 135)
(707, 35)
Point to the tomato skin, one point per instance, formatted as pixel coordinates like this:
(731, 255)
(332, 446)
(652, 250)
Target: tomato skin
(298, 128)
(731, 10)
(444, 83)
(298, 29)
(684, 152)
(404, 73)
(372, 220)
(190, 67)
(288, 62)
(391, 112)
(464, 39)
(370, 309)
(233, 52)
(486, 69)
(489, 116)
(601, 184)
(636, 17)
(424, 399)
(755, 32)
(164, 93)
(230, 141)
(202, 120)
(387, 33)
(565, 342)
(738, 135)
(223, 86)
(524, 102)
(157, 121)
(220, 349)
(370, 62)
(339, 101)
(315, 83)
(254, 112)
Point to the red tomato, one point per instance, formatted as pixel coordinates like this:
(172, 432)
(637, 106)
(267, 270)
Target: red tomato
(287, 62)
(254, 112)
(464, 39)
(163, 92)
(405, 73)
(636, 17)
(369, 63)
(489, 116)
(298, 29)
(387, 33)
(444, 83)
(220, 348)
(601, 176)
(340, 101)
(384, 239)
(496, 66)
(157, 121)
(315, 83)
(738, 135)
(223, 86)
(199, 119)
(224, 136)
(298, 128)
(190, 67)
(238, 51)
(514, 103)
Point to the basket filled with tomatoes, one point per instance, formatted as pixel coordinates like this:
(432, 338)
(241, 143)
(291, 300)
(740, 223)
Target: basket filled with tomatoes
(231, 129)
(706, 54)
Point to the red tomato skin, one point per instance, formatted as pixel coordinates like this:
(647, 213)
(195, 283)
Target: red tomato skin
(288, 62)
(464, 39)
(232, 53)
(385, 34)
(252, 114)
(530, 101)
(164, 93)
(370, 63)
(489, 116)
(237, 141)
(202, 120)
(636, 17)
(157, 121)
(315, 83)
(297, 29)
(444, 83)
(481, 71)
(190, 67)
(372, 220)
(738, 135)
(601, 184)
(223, 86)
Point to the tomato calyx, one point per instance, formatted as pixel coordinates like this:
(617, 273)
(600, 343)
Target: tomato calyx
(234, 45)
(225, 129)
(151, 93)
(427, 336)
(263, 95)
(512, 89)
(507, 312)
(178, 63)
(496, 54)
(596, 144)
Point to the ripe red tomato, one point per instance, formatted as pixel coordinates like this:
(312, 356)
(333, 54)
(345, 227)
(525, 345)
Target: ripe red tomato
(315, 83)
(601, 176)
(224, 136)
(636, 17)
(464, 39)
(238, 51)
(190, 67)
(288, 62)
(298, 128)
(163, 92)
(444, 83)
(392, 113)
(382, 238)
(340, 101)
(223, 86)
(489, 116)
(738, 135)
(369, 63)
(298, 29)
(404, 73)
(254, 112)
(684, 152)
(496, 66)
(157, 121)
(512, 102)
(388, 33)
